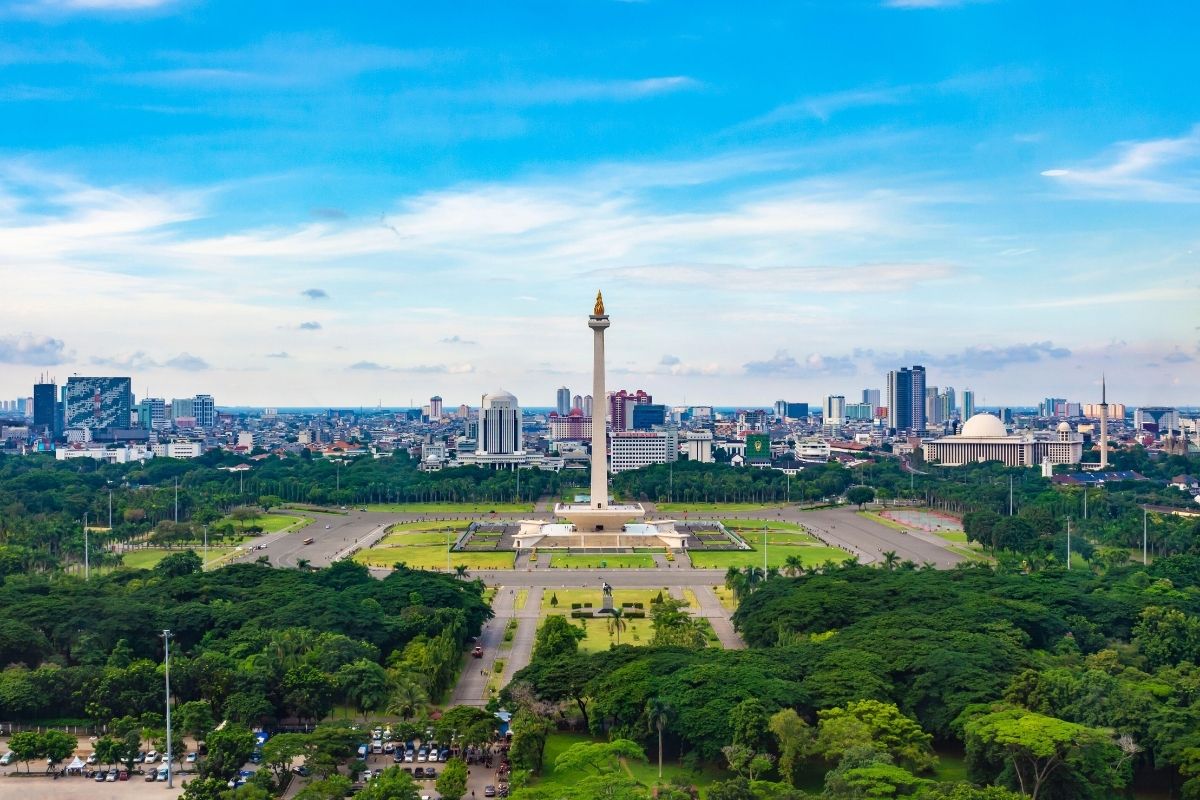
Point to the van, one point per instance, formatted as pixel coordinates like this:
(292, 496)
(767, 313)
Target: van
(309, 540)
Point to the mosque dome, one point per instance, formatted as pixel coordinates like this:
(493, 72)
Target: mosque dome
(1064, 427)
(984, 426)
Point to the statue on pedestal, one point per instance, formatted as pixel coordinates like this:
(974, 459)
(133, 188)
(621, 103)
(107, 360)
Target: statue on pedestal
(606, 600)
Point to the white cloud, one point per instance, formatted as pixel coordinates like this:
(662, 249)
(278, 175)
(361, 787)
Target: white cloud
(783, 364)
(870, 278)
(1157, 170)
(31, 349)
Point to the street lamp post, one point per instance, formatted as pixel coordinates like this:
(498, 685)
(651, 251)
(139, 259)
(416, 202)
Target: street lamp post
(1068, 543)
(177, 501)
(167, 635)
(205, 564)
(86, 561)
(1144, 516)
(110, 507)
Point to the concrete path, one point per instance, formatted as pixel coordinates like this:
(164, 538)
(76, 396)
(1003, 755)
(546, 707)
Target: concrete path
(472, 680)
(522, 644)
(718, 616)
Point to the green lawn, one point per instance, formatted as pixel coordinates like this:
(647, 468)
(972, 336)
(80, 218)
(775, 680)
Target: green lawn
(776, 556)
(450, 508)
(600, 561)
(409, 538)
(673, 508)
(270, 523)
(433, 557)
(568, 596)
(644, 771)
(148, 557)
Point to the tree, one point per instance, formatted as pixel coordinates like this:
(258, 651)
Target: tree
(675, 627)
(890, 560)
(176, 564)
(598, 758)
(794, 737)
(875, 724)
(452, 783)
(26, 746)
(282, 749)
(980, 526)
(529, 733)
(269, 501)
(616, 623)
(407, 695)
(748, 719)
(392, 784)
(1167, 636)
(365, 684)
(1036, 747)
(335, 787)
(108, 750)
(228, 749)
(557, 637)
(860, 495)
(195, 718)
(658, 714)
(308, 692)
(204, 789)
(57, 745)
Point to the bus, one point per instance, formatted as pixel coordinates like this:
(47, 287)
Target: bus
(309, 540)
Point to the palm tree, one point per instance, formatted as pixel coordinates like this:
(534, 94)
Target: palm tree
(794, 565)
(302, 563)
(753, 576)
(890, 560)
(407, 696)
(617, 623)
(658, 713)
(460, 570)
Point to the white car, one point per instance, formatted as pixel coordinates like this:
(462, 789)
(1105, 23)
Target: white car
(7, 758)
(409, 755)
(162, 773)
(191, 758)
(151, 756)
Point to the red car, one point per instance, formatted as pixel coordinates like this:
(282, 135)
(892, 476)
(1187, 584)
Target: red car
(477, 652)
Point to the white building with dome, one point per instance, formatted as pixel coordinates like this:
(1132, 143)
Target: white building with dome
(984, 438)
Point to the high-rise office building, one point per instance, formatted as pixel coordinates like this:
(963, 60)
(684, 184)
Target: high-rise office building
(968, 406)
(182, 408)
(563, 406)
(620, 407)
(948, 403)
(647, 415)
(1051, 407)
(435, 407)
(499, 425)
(906, 399)
(45, 405)
(152, 413)
(797, 410)
(204, 408)
(587, 405)
(98, 403)
(933, 406)
(871, 398)
(576, 403)
(834, 410)
(860, 411)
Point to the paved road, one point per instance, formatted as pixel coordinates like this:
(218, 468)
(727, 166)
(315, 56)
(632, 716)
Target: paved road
(718, 617)
(842, 527)
(472, 679)
(522, 644)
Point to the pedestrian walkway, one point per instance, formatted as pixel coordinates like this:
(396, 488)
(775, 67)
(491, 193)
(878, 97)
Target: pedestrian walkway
(718, 617)
(472, 680)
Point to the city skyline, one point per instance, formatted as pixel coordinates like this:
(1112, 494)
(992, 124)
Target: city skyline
(342, 210)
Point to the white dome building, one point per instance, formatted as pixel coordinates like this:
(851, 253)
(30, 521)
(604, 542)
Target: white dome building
(984, 438)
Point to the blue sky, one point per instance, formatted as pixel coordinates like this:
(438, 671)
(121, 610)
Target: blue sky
(303, 204)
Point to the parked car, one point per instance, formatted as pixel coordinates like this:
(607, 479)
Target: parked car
(377, 746)
(430, 773)
(191, 758)
(389, 747)
(409, 755)
(139, 758)
(123, 775)
(444, 755)
(489, 791)
(9, 758)
(111, 777)
(477, 652)
(422, 755)
(100, 776)
(162, 773)
(302, 771)
(151, 775)
(151, 756)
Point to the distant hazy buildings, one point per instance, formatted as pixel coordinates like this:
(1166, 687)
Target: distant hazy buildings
(697, 446)
(620, 407)
(833, 410)
(871, 397)
(968, 404)
(1155, 419)
(152, 413)
(204, 408)
(435, 407)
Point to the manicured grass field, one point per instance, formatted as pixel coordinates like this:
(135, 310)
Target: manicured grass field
(433, 557)
(568, 596)
(677, 508)
(148, 557)
(636, 632)
(270, 523)
(644, 771)
(726, 596)
(450, 508)
(776, 557)
(759, 524)
(601, 561)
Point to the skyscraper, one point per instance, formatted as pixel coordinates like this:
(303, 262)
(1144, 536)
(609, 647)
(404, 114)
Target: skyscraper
(576, 403)
(152, 413)
(906, 399)
(499, 425)
(620, 407)
(204, 408)
(933, 406)
(871, 398)
(587, 405)
(834, 409)
(968, 407)
(435, 407)
(564, 401)
(45, 402)
(98, 403)
(948, 407)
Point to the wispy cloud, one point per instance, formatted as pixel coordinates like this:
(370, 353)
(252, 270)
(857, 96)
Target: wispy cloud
(186, 362)
(31, 349)
(309, 326)
(280, 354)
(368, 365)
(911, 4)
(974, 359)
(783, 364)
(1157, 170)
(438, 369)
(59, 8)
(140, 360)
(315, 294)
(817, 279)
(559, 91)
(456, 339)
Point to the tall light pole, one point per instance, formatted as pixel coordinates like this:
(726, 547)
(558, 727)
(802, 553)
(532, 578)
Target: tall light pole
(86, 562)
(205, 564)
(110, 507)
(1144, 516)
(167, 635)
(1068, 543)
(177, 501)
(1010, 495)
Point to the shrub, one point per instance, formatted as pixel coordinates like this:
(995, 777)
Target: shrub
(575, 606)
(581, 614)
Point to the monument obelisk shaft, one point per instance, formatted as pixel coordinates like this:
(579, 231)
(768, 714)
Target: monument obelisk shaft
(1103, 424)
(598, 322)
